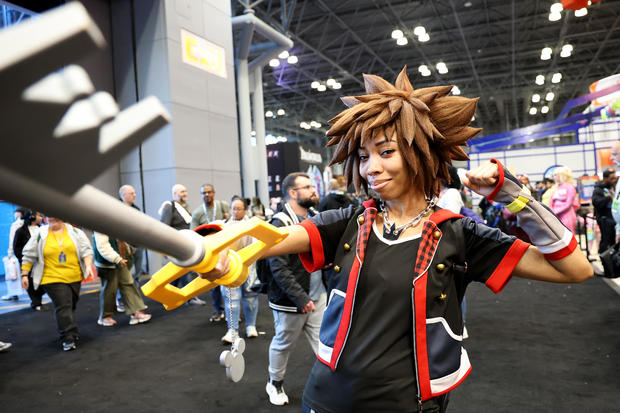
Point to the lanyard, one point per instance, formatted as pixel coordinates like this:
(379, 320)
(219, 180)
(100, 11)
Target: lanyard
(204, 207)
(62, 240)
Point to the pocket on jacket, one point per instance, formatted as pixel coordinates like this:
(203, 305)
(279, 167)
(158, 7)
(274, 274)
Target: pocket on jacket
(444, 348)
(330, 324)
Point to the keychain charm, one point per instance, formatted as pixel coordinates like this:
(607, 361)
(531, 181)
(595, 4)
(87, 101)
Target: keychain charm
(233, 360)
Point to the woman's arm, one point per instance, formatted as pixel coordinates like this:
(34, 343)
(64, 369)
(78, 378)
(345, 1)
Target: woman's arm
(559, 263)
(559, 206)
(296, 242)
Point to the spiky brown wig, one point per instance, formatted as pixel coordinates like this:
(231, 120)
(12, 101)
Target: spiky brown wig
(428, 126)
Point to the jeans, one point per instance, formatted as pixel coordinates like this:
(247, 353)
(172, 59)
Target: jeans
(137, 264)
(288, 327)
(65, 298)
(216, 300)
(35, 295)
(237, 296)
(113, 280)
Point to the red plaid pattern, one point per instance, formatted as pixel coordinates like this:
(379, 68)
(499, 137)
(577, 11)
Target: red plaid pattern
(428, 244)
(364, 233)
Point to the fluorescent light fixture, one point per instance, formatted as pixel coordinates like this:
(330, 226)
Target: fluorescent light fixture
(419, 30)
(397, 34)
(321, 88)
(556, 8)
(337, 85)
(292, 60)
(442, 68)
(281, 112)
(274, 63)
(424, 37)
(535, 98)
(554, 17)
(581, 12)
(315, 85)
(540, 79)
(269, 114)
(330, 82)
(402, 41)
(456, 90)
(283, 55)
(533, 111)
(549, 97)
(544, 109)
(556, 78)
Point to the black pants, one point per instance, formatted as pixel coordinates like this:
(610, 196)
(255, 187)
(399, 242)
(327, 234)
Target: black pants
(65, 298)
(607, 225)
(35, 295)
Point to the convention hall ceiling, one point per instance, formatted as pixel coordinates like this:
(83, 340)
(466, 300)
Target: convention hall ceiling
(491, 49)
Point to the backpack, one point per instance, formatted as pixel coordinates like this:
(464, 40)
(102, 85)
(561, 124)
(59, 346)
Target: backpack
(263, 269)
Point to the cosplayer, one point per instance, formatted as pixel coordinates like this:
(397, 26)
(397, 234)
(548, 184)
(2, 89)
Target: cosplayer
(391, 335)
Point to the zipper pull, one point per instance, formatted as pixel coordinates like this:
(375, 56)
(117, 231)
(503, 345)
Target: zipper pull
(419, 404)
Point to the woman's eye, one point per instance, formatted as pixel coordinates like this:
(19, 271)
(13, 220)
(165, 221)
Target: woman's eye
(363, 157)
(387, 152)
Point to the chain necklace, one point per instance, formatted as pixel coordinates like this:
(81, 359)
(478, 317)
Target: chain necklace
(391, 231)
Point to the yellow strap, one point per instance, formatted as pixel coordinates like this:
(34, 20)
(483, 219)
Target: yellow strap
(518, 204)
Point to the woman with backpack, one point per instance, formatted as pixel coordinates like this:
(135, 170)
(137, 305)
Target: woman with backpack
(391, 337)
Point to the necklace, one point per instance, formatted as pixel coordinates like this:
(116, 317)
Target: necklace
(391, 231)
(62, 258)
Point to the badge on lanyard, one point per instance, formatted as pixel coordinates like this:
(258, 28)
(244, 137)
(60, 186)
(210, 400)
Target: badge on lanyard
(62, 258)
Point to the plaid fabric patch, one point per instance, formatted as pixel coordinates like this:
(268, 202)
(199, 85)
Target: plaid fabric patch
(426, 250)
(364, 232)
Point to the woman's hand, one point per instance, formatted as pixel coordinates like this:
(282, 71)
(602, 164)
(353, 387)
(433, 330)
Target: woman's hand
(221, 268)
(482, 179)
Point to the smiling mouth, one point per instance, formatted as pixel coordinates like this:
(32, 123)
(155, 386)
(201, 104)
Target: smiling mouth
(378, 185)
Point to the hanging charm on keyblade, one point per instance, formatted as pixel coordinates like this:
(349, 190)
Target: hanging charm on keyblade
(233, 360)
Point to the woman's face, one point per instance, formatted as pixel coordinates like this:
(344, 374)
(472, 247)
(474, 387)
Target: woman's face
(238, 209)
(54, 223)
(383, 168)
(557, 179)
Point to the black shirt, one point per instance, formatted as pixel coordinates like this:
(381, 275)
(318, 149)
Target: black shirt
(376, 372)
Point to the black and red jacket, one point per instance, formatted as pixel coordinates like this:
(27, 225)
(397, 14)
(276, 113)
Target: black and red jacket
(453, 251)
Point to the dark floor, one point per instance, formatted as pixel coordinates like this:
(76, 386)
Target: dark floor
(534, 348)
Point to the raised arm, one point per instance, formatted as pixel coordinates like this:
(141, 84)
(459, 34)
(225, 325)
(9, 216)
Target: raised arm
(554, 256)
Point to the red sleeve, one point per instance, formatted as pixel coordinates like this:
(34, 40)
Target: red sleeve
(500, 277)
(313, 260)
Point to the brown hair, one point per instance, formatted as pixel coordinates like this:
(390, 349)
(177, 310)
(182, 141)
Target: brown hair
(289, 182)
(428, 126)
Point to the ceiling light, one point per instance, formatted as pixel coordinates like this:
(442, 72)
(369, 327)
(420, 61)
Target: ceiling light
(535, 98)
(253, 133)
(330, 82)
(467, 4)
(422, 68)
(283, 55)
(292, 60)
(424, 37)
(337, 85)
(281, 112)
(397, 34)
(456, 90)
(426, 73)
(321, 88)
(549, 97)
(303, 125)
(540, 80)
(269, 114)
(544, 109)
(274, 63)
(533, 111)
(419, 30)
(554, 17)
(318, 125)
(556, 8)
(581, 12)
(557, 77)
(313, 124)
(402, 41)
(314, 84)
(568, 47)
(442, 68)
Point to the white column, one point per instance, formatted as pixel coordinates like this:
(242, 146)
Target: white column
(259, 125)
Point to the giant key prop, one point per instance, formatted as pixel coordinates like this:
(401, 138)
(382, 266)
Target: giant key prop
(58, 134)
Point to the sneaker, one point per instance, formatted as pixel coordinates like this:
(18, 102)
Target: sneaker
(197, 301)
(10, 298)
(250, 332)
(217, 317)
(4, 346)
(106, 322)
(68, 345)
(276, 393)
(120, 307)
(37, 308)
(465, 333)
(230, 336)
(139, 318)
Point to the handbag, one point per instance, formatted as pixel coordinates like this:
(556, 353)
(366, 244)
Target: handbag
(610, 258)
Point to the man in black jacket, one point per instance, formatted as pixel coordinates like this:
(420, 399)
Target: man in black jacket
(296, 297)
(336, 197)
(602, 197)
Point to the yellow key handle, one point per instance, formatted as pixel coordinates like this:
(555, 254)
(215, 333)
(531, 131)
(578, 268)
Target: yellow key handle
(266, 235)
